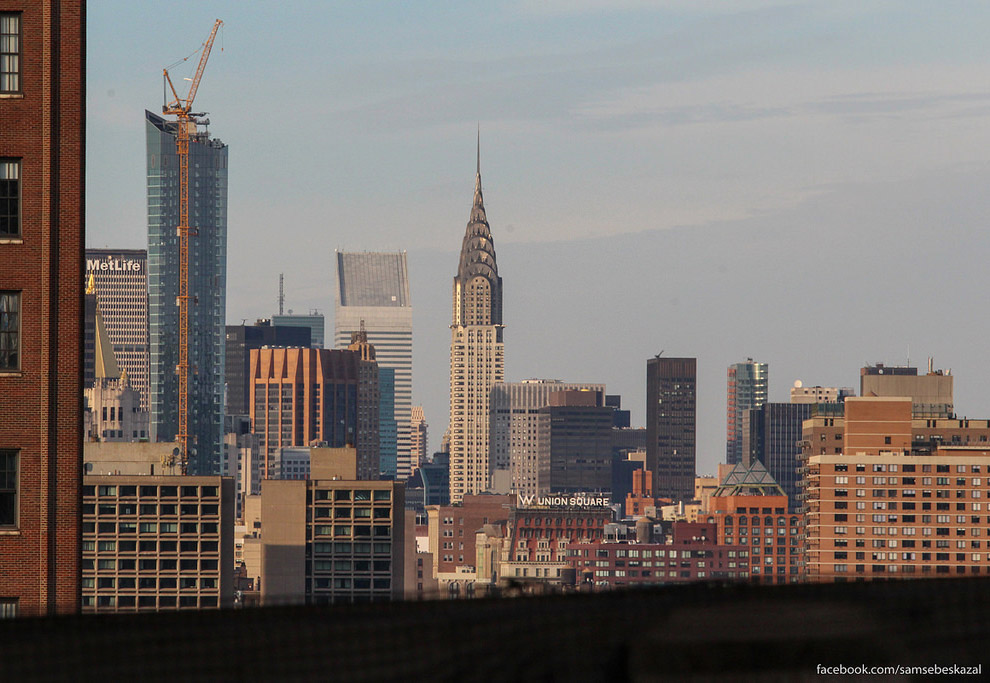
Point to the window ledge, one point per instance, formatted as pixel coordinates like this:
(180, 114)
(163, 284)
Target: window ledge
(11, 240)
(10, 532)
(5, 373)
(11, 96)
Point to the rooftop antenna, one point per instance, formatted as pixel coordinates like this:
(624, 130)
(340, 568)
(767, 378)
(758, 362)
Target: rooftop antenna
(281, 292)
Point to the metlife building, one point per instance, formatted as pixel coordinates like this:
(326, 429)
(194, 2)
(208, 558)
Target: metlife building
(120, 279)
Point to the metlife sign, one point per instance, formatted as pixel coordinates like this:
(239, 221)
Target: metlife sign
(112, 264)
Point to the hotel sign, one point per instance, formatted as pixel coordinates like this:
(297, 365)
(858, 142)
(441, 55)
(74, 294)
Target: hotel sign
(578, 500)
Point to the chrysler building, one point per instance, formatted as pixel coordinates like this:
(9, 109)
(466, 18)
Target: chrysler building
(477, 358)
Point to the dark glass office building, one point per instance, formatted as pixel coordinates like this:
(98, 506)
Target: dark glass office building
(772, 434)
(671, 415)
(208, 284)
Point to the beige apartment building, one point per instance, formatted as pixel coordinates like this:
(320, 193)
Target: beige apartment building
(152, 543)
(332, 538)
(896, 496)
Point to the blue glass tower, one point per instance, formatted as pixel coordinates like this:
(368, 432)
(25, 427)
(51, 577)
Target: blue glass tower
(208, 284)
(388, 434)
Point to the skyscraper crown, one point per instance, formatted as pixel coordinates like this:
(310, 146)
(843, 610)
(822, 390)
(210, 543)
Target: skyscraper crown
(478, 261)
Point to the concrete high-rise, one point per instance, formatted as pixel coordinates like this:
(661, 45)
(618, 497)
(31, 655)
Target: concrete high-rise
(42, 186)
(120, 280)
(671, 410)
(373, 292)
(477, 355)
(746, 388)
(931, 393)
(207, 286)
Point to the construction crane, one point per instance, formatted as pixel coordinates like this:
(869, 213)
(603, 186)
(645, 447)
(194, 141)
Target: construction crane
(181, 108)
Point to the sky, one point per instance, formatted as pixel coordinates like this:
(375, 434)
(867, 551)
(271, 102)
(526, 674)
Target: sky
(796, 182)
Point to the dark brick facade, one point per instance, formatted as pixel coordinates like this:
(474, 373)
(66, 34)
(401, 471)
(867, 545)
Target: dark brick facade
(43, 126)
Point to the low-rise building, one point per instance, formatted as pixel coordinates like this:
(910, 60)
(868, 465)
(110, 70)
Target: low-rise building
(157, 542)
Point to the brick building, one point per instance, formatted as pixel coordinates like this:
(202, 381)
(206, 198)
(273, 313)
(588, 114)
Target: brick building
(452, 528)
(749, 510)
(539, 537)
(691, 553)
(904, 496)
(42, 119)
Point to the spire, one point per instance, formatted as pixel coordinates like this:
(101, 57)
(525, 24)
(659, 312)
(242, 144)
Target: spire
(91, 285)
(106, 362)
(479, 201)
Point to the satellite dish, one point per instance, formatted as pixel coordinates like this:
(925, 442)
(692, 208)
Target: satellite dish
(798, 384)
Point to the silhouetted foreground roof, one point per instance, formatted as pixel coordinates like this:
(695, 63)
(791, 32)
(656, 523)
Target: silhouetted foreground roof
(696, 630)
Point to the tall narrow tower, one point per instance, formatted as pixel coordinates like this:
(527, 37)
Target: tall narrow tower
(477, 357)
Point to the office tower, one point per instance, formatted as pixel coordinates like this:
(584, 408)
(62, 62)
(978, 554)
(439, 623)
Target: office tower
(388, 435)
(157, 543)
(477, 355)
(671, 405)
(771, 435)
(373, 291)
(575, 442)
(302, 397)
(418, 437)
(904, 497)
(515, 423)
(240, 340)
(313, 321)
(42, 120)
(207, 286)
(368, 439)
(931, 393)
(334, 538)
(120, 282)
(746, 388)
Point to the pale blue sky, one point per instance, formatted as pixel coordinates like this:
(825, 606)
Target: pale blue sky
(352, 125)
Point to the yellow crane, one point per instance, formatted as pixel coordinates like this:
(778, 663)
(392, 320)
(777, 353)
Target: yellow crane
(181, 108)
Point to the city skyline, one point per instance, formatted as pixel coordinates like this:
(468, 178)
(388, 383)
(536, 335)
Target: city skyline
(792, 138)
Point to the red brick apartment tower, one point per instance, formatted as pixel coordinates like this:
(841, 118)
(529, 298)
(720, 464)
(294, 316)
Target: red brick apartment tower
(42, 122)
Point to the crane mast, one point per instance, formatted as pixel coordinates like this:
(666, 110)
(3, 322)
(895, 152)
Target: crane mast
(181, 108)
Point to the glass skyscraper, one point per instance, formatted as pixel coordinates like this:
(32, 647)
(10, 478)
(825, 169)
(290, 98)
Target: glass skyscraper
(208, 284)
(746, 388)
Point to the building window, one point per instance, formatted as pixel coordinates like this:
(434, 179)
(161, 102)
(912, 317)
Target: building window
(10, 323)
(8, 608)
(8, 488)
(10, 198)
(10, 52)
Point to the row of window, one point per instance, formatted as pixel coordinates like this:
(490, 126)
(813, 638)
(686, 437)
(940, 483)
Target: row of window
(150, 491)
